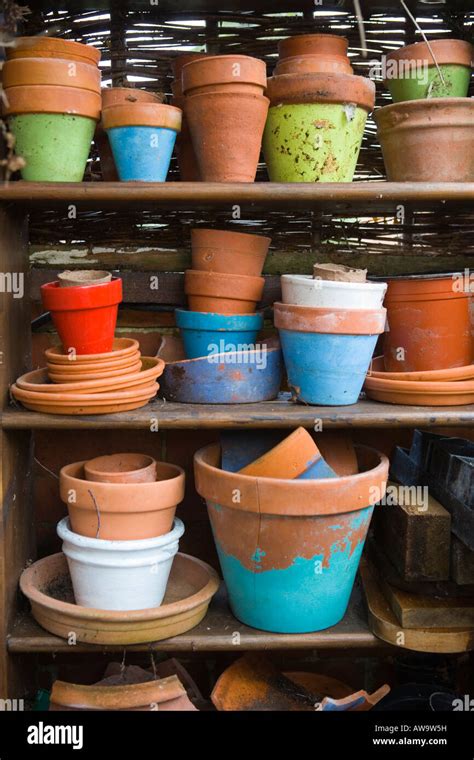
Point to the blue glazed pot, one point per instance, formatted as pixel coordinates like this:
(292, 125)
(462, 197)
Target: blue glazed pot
(142, 154)
(289, 549)
(228, 378)
(206, 333)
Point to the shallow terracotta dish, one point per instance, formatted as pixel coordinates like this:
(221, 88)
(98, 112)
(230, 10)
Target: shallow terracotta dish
(47, 585)
(377, 370)
(122, 347)
(415, 393)
(78, 377)
(37, 381)
(98, 403)
(121, 468)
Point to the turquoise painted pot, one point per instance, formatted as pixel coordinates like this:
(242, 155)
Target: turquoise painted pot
(289, 549)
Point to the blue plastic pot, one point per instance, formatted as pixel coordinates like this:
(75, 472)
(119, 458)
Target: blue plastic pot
(289, 549)
(142, 154)
(208, 333)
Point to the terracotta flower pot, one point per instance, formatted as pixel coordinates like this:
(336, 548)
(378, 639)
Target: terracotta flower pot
(185, 153)
(411, 72)
(429, 324)
(411, 133)
(228, 252)
(227, 130)
(289, 459)
(161, 694)
(177, 65)
(121, 468)
(85, 317)
(313, 53)
(222, 293)
(121, 511)
(315, 126)
(19, 72)
(53, 47)
(225, 73)
(122, 348)
(272, 541)
(78, 277)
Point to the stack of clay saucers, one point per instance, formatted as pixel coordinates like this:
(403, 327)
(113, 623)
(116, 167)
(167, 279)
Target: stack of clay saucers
(116, 381)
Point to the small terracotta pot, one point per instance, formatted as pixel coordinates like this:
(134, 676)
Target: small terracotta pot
(177, 65)
(35, 99)
(20, 72)
(222, 293)
(121, 468)
(311, 53)
(159, 694)
(76, 277)
(287, 460)
(226, 131)
(121, 348)
(226, 73)
(122, 511)
(185, 153)
(53, 47)
(412, 132)
(429, 324)
(228, 252)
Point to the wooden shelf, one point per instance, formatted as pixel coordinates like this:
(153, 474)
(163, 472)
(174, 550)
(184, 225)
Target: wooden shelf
(216, 633)
(270, 414)
(340, 197)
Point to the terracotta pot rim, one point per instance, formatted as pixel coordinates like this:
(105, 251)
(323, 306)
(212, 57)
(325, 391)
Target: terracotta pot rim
(455, 374)
(224, 276)
(208, 71)
(237, 287)
(337, 89)
(36, 380)
(31, 591)
(74, 472)
(53, 99)
(348, 493)
(24, 72)
(232, 237)
(228, 94)
(329, 320)
(125, 347)
(385, 117)
(430, 387)
(56, 45)
(117, 697)
(142, 114)
(109, 373)
(127, 93)
(95, 470)
(447, 51)
(414, 288)
(294, 41)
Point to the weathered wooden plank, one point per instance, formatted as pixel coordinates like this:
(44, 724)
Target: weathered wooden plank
(418, 611)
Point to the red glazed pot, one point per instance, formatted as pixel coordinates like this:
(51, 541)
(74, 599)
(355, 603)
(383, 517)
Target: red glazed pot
(229, 252)
(429, 323)
(222, 293)
(224, 73)
(53, 47)
(85, 317)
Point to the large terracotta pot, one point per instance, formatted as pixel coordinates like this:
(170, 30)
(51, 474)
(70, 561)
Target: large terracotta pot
(413, 132)
(222, 293)
(162, 694)
(312, 53)
(429, 323)
(224, 73)
(228, 252)
(53, 47)
(121, 511)
(289, 549)
(19, 72)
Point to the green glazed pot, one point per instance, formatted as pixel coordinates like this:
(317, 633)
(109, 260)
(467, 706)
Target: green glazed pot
(425, 82)
(55, 146)
(313, 142)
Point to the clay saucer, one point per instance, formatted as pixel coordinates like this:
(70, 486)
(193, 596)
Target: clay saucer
(121, 347)
(91, 403)
(78, 377)
(415, 393)
(74, 369)
(38, 381)
(377, 370)
(47, 584)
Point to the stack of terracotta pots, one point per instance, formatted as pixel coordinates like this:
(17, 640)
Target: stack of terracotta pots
(431, 114)
(226, 110)
(121, 535)
(187, 161)
(91, 373)
(318, 111)
(53, 104)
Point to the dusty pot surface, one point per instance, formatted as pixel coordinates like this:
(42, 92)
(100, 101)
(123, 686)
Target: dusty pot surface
(238, 73)
(119, 575)
(226, 251)
(222, 293)
(121, 511)
(289, 459)
(157, 694)
(76, 277)
(121, 468)
(304, 290)
(412, 72)
(338, 273)
(50, 71)
(112, 96)
(122, 349)
(429, 323)
(226, 131)
(413, 132)
(53, 47)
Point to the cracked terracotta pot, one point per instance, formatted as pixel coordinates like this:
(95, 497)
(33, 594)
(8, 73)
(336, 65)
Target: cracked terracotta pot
(428, 140)
(429, 323)
(224, 73)
(222, 293)
(121, 511)
(289, 549)
(315, 126)
(294, 457)
(313, 53)
(123, 349)
(121, 468)
(411, 72)
(229, 252)
(53, 47)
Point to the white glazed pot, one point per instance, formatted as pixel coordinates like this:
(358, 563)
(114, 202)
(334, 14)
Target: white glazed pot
(119, 575)
(303, 290)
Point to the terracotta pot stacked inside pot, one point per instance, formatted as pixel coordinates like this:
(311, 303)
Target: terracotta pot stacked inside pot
(53, 104)
(187, 161)
(226, 109)
(121, 535)
(431, 115)
(428, 349)
(312, 134)
(91, 372)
